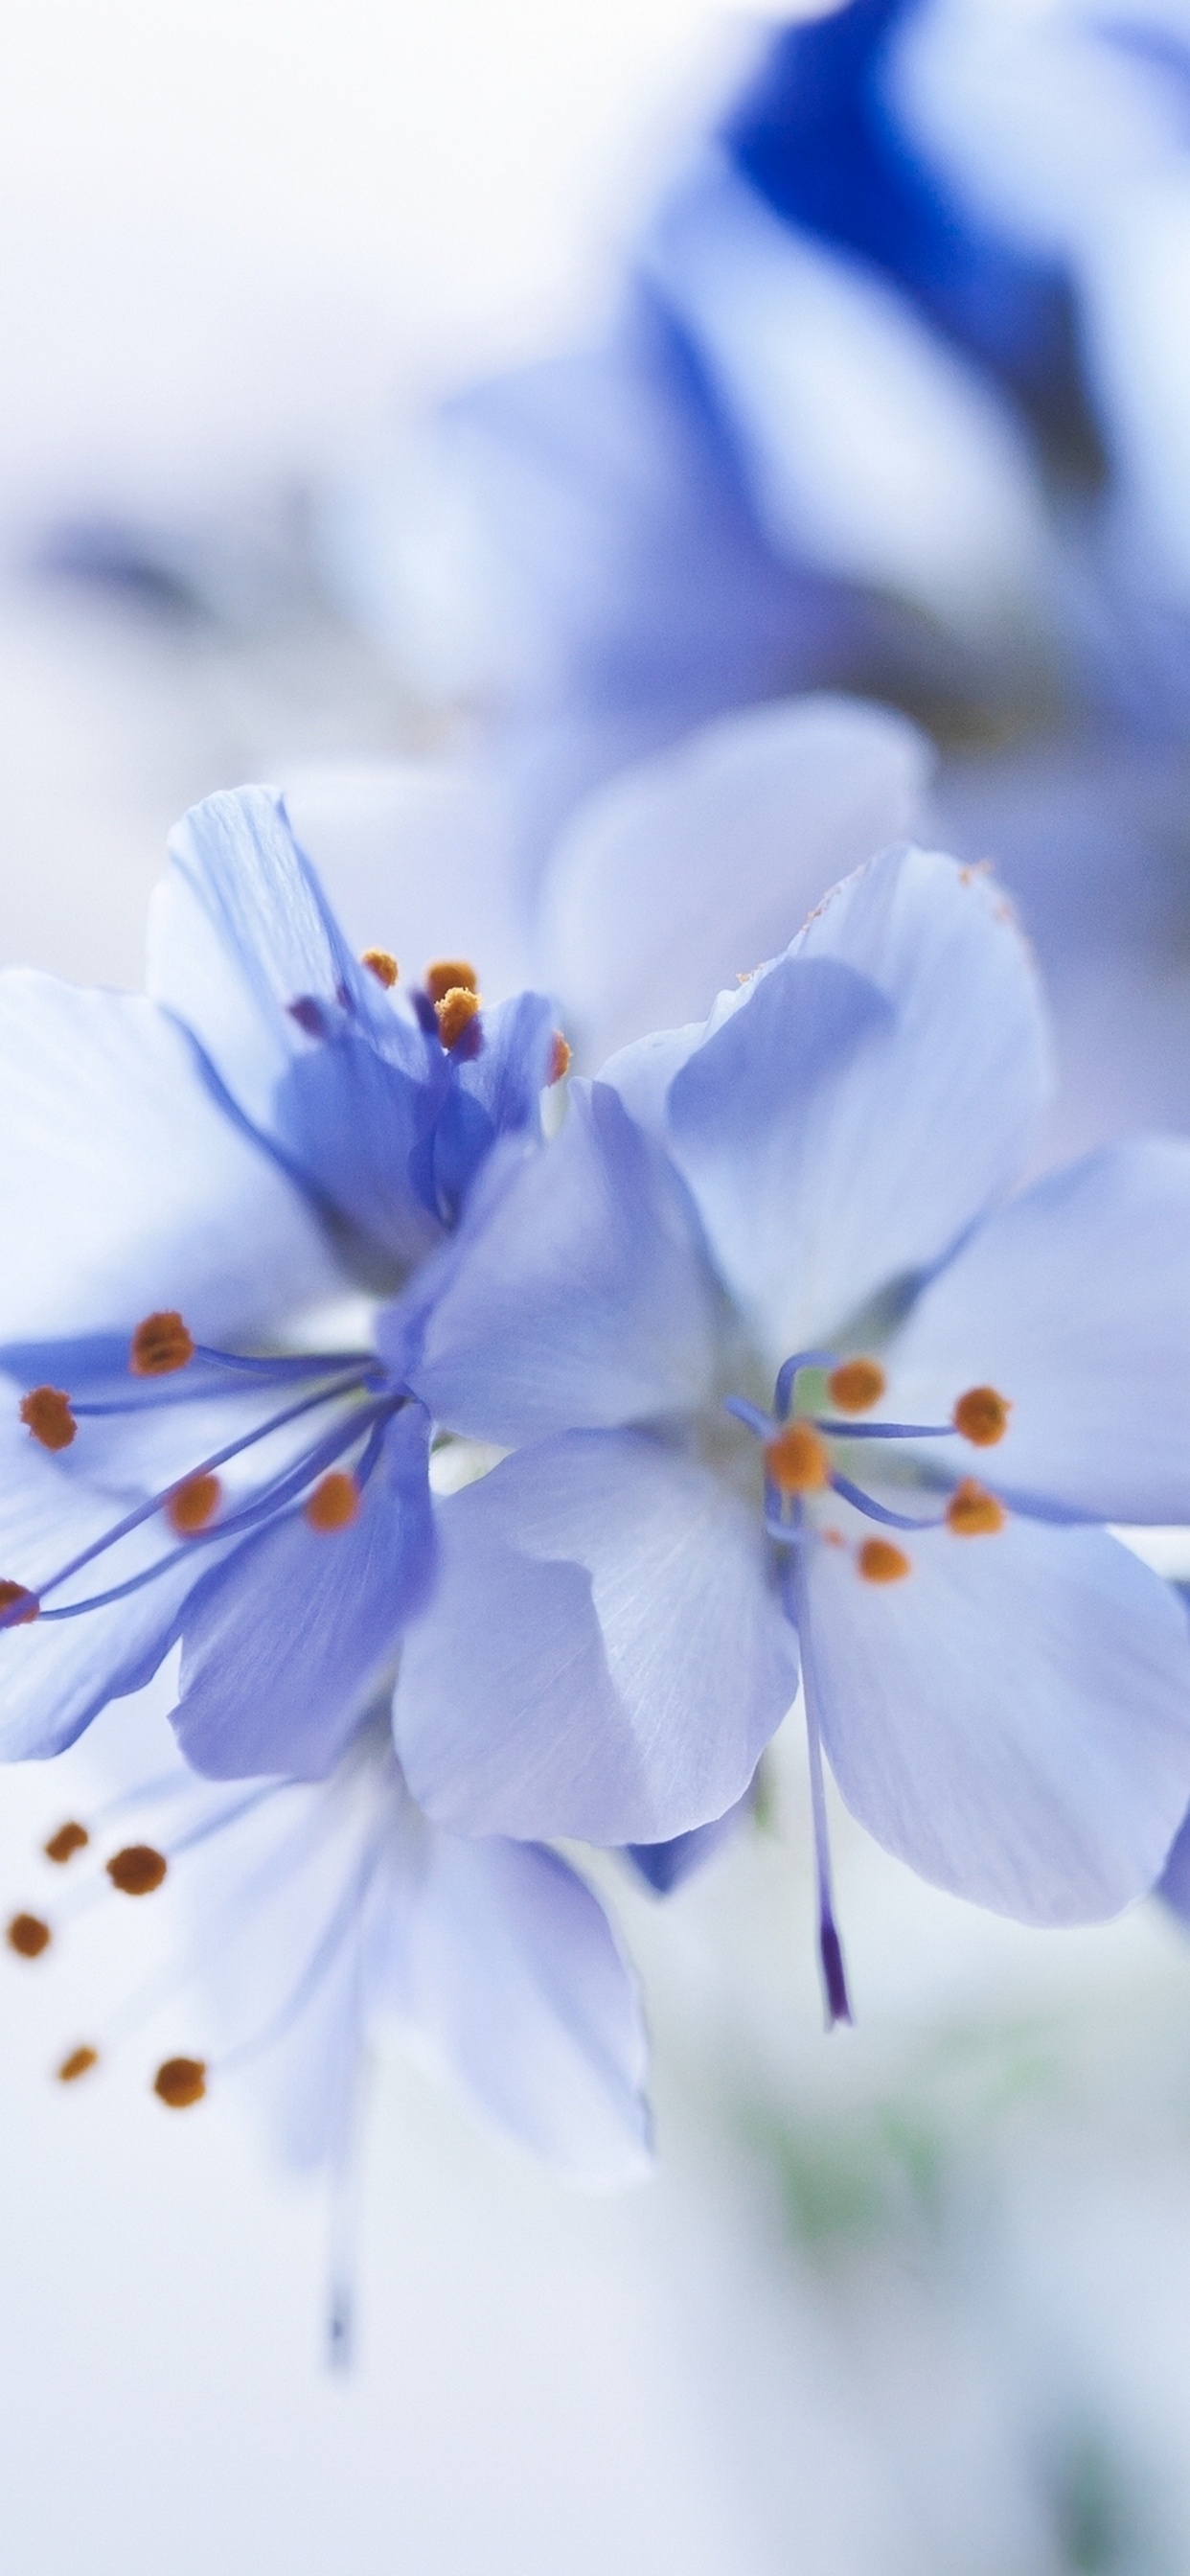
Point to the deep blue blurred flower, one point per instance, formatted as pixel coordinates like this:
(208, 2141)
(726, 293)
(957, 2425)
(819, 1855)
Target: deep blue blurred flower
(935, 1397)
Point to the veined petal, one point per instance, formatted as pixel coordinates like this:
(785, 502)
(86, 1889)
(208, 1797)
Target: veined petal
(843, 1118)
(284, 1642)
(323, 1067)
(516, 1978)
(691, 867)
(1074, 1302)
(125, 1187)
(603, 1656)
(495, 1093)
(1012, 1717)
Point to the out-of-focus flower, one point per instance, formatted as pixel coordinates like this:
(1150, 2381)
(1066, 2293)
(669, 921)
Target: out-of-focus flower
(194, 1179)
(810, 1188)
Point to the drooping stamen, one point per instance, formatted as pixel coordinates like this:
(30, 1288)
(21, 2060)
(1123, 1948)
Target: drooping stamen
(160, 1345)
(28, 1936)
(191, 1506)
(830, 1948)
(180, 2082)
(381, 963)
(796, 1461)
(449, 975)
(856, 1385)
(137, 1870)
(880, 1562)
(334, 1504)
(79, 2062)
(559, 1063)
(974, 1513)
(455, 1013)
(982, 1416)
(46, 1412)
(69, 1839)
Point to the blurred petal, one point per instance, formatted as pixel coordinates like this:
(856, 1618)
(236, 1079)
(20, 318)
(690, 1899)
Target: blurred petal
(603, 1656)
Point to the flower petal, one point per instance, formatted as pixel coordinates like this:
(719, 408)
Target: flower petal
(1074, 1302)
(578, 1297)
(844, 1117)
(125, 1186)
(515, 1976)
(603, 1657)
(692, 866)
(283, 1642)
(1012, 1718)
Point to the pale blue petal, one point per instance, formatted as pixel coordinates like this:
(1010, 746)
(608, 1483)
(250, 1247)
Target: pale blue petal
(603, 1657)
(283, 1643)
(665, 1866)
(848, 1113)
(124, 1188)
(516, 1978)
(1074, 1302)
(495, 1092)
(579, 1297)
(1012, 1718)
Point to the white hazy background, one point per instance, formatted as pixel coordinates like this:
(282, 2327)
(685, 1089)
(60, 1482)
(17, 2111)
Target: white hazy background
(911, 2304)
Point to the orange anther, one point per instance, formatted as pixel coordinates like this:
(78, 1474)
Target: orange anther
(79, 2062)
(334, 1504)
(28, 1936)
(559, 1063)
(797, 1461)
(974, 1513)
(160, 1345)
(982, 1416)
(855, 1385)
(383, 965)
(450, 975)
(456, 1010)
(880, 1562)
(137, 1870)
(11, 1593)
(181, 2081)
(190, 1506)
(45, 1411)
(63, 1845)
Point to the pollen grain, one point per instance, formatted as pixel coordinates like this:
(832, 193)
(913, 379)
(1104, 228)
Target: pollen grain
(974, 1513)
(191, 1506)
(160, 1345)
(69, 1839)
(79, 2062)
(450, 975)
(982, 1416)
(28, 1936)
(456, 1011)
(559, 1064)
(334, 1504)
(10, 1594)
(856, 1385)
(45, 1411)
(181, 2081)
(796, 1460)
(381, 963)
(137, 1870)
(880, 1562)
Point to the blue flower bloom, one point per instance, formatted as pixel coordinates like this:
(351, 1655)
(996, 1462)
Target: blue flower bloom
(778, 1360)
(208, 1191)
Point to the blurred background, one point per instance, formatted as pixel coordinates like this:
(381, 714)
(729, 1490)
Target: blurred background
(413, 385)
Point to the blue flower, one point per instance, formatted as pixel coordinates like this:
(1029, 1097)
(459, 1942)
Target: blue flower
(209, 1190)
(777, 1359)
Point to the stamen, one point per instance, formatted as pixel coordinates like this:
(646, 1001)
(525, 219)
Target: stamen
(137, 1870)
(383, 965)
(160, 1345)
(972, 1512)
(856, 1385)
(982, 1416)
(10, 1615)
(456, 1011)
(450, 975)
(68, 1840)
(28, 1936)
(787, 1374)
(796, 1460)
(830, 1948)
(192, 1505)
(334, 1504)
(181, 2081)
(880, 1562)
(79, 2062)
(46, 1413)
(875, 1511)
(559, 1063)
